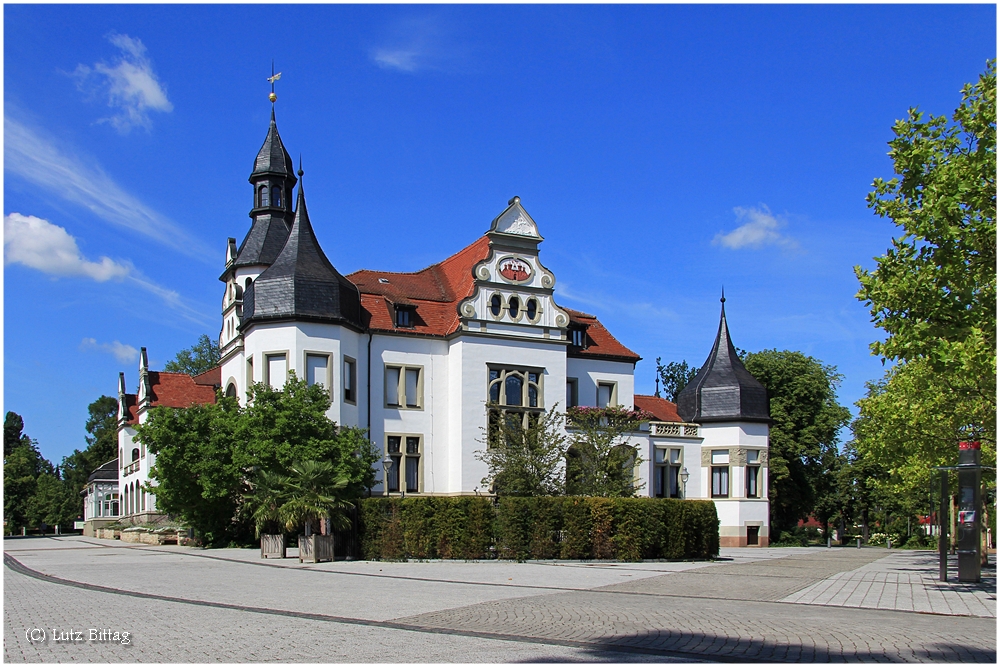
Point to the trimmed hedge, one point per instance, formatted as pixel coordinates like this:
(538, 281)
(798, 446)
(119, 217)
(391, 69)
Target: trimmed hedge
(474, 528)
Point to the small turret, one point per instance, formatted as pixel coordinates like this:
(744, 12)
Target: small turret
(273, 180)
(723, 390)
(302, 284)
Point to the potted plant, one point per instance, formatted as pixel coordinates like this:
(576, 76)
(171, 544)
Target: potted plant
(265, 503)
(315, 492)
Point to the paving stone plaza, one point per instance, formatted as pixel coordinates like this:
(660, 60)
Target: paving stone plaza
(66, 598)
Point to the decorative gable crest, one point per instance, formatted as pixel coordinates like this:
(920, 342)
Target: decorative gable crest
(515, 221)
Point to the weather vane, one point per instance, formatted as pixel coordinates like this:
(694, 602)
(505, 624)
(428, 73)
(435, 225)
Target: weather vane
(274, 77)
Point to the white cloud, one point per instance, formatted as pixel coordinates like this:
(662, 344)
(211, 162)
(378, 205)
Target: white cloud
(39, 244)
(420, 43)
(130, 84)
(760, 229)
(401, 59)
(46, 247)
(123, 353)
(83, 182)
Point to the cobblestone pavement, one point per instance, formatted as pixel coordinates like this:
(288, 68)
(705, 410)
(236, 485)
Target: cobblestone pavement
(184, 605)
(906, 581)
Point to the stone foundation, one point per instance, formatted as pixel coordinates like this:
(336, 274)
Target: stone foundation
(159, 536)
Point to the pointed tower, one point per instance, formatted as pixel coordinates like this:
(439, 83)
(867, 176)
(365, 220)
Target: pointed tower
(273, 179)
(731, 407)
(302, 284)
(723, 390)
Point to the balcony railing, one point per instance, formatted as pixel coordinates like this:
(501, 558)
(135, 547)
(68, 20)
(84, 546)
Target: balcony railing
(131, 468)
(674, 429)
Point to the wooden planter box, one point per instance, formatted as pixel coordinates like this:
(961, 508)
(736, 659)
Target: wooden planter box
(315, 548)
(272, 546)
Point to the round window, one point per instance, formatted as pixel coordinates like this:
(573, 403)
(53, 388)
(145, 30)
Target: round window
(514, 306)
(531, 309)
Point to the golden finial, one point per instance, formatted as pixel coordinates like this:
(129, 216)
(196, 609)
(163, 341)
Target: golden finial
(274, 77)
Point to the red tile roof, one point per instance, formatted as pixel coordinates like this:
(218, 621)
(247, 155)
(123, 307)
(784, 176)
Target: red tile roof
(600, 343)
(212, 377)
(179, 390)
(176, 390)
(661, 409)
(435, 291)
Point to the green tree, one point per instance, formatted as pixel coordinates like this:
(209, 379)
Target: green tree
(198, 358)
(934, 291)
(53, 503)
(23, 464)
(600, 461)
(525, 461)
(674, 377)
(207, 455)
(806, 420)
(102, 444)
(197, 479)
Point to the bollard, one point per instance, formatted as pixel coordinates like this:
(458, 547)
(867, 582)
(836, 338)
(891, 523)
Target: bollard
(888, 544)
(829, 540)
(24, 531)
(859, 542)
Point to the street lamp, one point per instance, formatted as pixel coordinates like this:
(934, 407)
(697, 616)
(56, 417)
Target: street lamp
(684, 480)
(387, 464)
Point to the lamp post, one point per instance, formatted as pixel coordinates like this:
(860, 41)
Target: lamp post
(387, 464)
(684, 480)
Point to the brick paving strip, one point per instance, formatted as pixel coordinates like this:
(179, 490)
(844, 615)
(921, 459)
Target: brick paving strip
(905, 582)
(720, 612)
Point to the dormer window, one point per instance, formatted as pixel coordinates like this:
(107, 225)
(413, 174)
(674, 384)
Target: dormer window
(578, 337)
(404, 317)
(276, 196)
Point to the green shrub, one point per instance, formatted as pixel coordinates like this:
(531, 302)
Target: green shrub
(529, 528)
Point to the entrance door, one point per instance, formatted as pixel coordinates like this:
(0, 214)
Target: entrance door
(752, 535)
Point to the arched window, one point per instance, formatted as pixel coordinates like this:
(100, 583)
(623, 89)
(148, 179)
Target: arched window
(247, 282)
(231, 390)
(276, 196)
(239, 293)
(262, 199)
(135, 454)
(142, 499)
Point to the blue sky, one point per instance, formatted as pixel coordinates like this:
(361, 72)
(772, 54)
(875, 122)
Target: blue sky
(665, 151)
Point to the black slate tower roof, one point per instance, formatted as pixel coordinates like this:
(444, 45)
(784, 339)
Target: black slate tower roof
(302, 284)
(723, 390)
(272, 170)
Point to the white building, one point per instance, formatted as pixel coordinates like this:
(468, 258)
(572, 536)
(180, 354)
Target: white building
(422, 359)
(100, 498)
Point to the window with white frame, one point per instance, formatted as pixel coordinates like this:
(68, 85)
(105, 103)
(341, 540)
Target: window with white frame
(404, 387)
(607, 394)
(666, 474)
(276, 366)
(753, 473)
(404, 452)
(318, 370)
(572, 392)
(350, 380)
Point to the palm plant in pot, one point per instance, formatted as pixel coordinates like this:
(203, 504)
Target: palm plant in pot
(308, 493)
